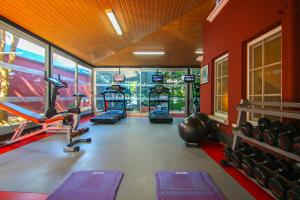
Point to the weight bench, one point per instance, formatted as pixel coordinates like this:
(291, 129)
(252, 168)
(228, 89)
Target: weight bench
(61, 123)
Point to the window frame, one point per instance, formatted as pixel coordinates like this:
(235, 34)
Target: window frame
(77, 62)
(49, 47)
(91, 83)
(272, 34)
(216, 113)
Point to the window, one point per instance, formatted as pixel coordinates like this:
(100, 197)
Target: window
(23, 63)
(22, 67)
(145, 88)
(66, 68)
(221, 87)
(85, 87)
(177, 88)
(173, 81)
(138, 82)
(104, 79)
(264, 69)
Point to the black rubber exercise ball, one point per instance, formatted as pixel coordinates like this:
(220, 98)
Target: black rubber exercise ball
(192, 129)
(202, 116)
(211, 125)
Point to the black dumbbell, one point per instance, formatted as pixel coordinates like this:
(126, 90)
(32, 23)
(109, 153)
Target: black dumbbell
(246, 128)
(255, 131)
(238, 156)
(228, 150)
(285, 138)
(270, 134)
(293, 193)
(248, 164)
(262, 174)
(296, 145)
(279, 185)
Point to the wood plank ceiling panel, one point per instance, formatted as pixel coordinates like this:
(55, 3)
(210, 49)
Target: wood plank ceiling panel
(179, 39)
(82, 28)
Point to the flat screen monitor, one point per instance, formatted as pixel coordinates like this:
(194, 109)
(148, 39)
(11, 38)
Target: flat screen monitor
(189, 78)
(157, 78)
(119, 78)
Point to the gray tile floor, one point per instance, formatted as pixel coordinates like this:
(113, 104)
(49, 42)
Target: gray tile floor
(133, 145)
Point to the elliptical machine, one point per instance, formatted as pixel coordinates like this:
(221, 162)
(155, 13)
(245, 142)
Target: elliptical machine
(75, 112)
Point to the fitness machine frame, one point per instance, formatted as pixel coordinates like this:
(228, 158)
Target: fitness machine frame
(109, 90)
(164, 91)
(163, 117)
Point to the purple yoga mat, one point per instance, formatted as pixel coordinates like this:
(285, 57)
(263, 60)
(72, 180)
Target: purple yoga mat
(186, 185)
(89, 185)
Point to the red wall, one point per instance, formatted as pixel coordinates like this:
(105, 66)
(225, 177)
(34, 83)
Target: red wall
(238, 23)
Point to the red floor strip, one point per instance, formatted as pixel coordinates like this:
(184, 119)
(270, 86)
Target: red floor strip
(23, 143)
(215, 151)
(22, 196)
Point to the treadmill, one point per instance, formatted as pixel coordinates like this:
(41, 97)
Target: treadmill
(114, 105)
(160, 97)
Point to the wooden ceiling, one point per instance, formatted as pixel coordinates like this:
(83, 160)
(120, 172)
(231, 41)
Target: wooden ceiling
(82, 28)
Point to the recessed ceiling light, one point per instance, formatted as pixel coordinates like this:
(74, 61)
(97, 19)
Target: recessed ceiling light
(113, 21)
(199, 51)
(149, 53)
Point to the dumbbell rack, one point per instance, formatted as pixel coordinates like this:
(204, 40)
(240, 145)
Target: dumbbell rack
(279, 109)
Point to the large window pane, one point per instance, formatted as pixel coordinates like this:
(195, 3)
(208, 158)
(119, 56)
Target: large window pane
(22, 69)
(146, 81)
(138, 84)
(272, 79)
(66, 69)
(255, 117)
(256, 82)
(132, 85)
(104, 79)
(224, 87)
(218, 87)
(221, 86)
(265, 78)
(272, 52)
(256, 61)
(174, 81)
(85, 87)
(224, 68)
(196, 72)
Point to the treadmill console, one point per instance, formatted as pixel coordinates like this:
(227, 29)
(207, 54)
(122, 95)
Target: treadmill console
(116, 87)
(159, 88)
(189, 78)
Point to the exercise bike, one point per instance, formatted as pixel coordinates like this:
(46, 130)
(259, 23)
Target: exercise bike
(53, 122)
(75, 112)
